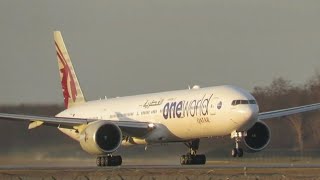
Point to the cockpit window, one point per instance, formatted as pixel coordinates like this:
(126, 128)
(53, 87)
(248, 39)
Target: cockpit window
(244, 102)
(236, 102)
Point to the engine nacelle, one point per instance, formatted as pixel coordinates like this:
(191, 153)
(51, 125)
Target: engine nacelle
(258, 137)
(101, 138)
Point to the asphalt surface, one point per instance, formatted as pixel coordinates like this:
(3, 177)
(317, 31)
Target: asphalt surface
(159, 167)
(191, 172)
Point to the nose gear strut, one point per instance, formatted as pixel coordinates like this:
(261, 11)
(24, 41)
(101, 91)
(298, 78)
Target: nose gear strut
(238, 136)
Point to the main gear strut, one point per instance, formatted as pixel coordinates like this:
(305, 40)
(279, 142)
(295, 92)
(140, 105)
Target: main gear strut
(191, 157)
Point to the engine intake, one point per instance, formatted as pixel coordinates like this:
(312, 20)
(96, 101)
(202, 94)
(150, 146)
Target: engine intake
(258, 137)
(101, 138)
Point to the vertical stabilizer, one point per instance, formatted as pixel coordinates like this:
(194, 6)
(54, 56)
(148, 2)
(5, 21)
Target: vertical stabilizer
(70, 85)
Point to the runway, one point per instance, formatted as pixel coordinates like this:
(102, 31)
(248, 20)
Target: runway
(159, 167)
(216, 171)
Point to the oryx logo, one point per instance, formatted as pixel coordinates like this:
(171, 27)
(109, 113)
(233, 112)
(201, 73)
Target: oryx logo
(67, 81)
(183, 109)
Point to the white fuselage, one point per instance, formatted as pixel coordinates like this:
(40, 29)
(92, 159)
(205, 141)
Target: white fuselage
(178, 115)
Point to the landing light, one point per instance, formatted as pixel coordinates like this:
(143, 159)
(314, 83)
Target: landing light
(151, 126)
(196, 87)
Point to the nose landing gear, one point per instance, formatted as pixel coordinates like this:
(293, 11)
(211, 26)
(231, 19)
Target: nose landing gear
(192, 158)
(237, 151)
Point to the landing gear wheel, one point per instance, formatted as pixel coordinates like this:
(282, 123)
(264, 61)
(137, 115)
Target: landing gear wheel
(98, 161)
(238, 137)
(109, 161)
(199, 159)
(234, 152)
(115, 161)
(183, 160)
(192, 157)
(240, 152)
(237, 152)
(104, 161)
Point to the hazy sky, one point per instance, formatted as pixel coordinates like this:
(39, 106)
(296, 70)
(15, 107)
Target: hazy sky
(130, 47)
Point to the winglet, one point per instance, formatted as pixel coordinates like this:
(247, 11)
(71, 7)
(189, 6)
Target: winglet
(70, 85)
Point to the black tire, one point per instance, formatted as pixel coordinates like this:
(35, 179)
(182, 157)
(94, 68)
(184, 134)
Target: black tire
(117, 160)
(114, 161)
(199, 159)
(240, 152)
(189, 159)
(104, 161)
(183, 160)
(98, 161)
(192, 159)
(234, 152)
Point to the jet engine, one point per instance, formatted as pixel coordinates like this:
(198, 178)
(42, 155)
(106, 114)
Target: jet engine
(258, 137)
(101, 138)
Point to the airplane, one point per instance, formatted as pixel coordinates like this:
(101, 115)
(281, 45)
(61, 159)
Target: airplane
(182, 116)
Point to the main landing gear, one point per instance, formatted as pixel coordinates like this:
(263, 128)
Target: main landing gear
(109, 160)
(237, 151)
(192, 157)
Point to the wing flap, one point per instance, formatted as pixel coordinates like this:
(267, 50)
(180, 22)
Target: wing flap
(35, 124)
(289, 111)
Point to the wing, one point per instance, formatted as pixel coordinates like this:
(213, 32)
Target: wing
(289, 111)
(129, 128)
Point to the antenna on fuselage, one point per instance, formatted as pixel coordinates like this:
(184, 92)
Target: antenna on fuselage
(196, 87)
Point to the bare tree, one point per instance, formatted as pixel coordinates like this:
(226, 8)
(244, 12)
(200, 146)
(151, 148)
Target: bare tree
(297, 123)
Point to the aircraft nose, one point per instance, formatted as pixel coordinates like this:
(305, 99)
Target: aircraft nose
(248, 113)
